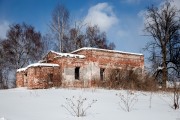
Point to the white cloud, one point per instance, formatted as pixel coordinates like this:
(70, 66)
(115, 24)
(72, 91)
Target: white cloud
(101, 15)
(4, 26)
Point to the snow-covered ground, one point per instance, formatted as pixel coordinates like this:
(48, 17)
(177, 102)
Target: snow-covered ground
(46, 104)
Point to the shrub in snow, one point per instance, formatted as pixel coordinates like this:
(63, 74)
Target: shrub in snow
(127, 100)
(174, 97)
(130, 79)
(78, 106)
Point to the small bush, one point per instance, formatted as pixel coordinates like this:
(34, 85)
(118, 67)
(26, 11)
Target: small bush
(176, 96)
(130, 79)
(173, 95)
(78, 106)
(127, 100)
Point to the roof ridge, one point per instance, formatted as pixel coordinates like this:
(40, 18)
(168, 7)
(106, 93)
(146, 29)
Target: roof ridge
(37, 64)
(68, 54)
(107, 50)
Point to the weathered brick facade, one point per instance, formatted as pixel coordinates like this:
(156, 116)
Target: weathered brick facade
(77, 68)
(39, 76)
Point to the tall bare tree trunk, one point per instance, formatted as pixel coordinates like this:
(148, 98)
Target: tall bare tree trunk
(162, 24)
(164, 70)
(59, 24)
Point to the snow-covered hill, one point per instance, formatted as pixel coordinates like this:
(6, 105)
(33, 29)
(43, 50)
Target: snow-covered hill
(46, 104)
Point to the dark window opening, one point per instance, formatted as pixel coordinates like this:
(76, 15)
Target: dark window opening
(50, 78)
(25, 74)
(25, 79)
(102, 73)
(77, 73)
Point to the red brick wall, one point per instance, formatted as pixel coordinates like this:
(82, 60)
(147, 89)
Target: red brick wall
(113, 59)
(50, 57)
(20, 79)
(38, 77)
(68, 63)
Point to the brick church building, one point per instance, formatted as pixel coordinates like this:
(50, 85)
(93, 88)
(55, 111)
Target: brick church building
(76, 69)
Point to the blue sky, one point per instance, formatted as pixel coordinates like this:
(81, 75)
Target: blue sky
(120, 19)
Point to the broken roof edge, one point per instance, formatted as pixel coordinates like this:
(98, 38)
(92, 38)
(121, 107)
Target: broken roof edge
(65, 55)
(106, 50)
(37, 65)
(44, 56)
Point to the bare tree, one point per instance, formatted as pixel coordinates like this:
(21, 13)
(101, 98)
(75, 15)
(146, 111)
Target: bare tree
(92, 37)
(22, 46)
(49, 43)
(77, 37)
(96, 38)
(173, 61)
(5, 69)
(127, 100)
(2, 65)
(162, 24)
(59, 24)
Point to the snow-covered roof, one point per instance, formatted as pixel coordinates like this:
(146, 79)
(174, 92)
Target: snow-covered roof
(160, 68)
(41, 61)
(106, 50)
(21, 69)
(68, 55)
(38, 64)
